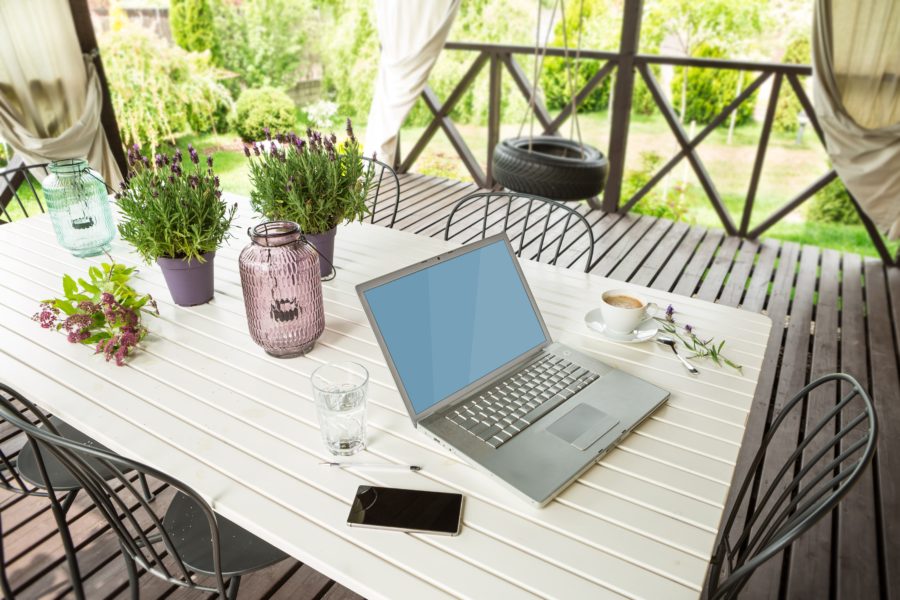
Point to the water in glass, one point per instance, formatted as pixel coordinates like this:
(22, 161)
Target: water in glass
(340, 391)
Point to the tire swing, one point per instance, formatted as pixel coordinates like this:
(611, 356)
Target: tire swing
(551, 166)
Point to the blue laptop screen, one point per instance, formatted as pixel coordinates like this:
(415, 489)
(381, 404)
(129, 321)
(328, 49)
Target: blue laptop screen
(454, 322)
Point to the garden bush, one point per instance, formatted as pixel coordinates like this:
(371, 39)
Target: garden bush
(192, 26)
(798, 52)
(652, 203)
(159, 90)
(710, 90)
(263, 42)
(598, 32)
(832, 204)
(260, 108)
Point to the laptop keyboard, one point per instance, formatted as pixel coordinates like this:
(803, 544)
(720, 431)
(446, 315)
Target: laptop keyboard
(502, 412)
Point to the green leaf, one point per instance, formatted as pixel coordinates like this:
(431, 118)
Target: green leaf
(96, 274)
(65, 306)
(70, 288)
(100, 335)
(89, 287)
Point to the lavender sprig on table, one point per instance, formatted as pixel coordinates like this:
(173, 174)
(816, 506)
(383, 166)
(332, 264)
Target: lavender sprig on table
(701, 348)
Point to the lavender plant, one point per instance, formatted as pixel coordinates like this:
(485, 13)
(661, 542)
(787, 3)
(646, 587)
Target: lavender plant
(103, 311)
(172, 209)
(701, 348)
(315, 182)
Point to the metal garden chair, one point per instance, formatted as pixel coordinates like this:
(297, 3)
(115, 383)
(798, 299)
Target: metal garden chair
(12, 181)
(23, 472)
(189, 540)
(827, 461)
(383, 174)
(538, 228)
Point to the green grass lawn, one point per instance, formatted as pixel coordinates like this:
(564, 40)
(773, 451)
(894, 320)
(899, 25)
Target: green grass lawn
(788, 168)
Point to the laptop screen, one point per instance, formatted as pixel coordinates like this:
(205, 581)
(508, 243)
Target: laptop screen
(452, 323)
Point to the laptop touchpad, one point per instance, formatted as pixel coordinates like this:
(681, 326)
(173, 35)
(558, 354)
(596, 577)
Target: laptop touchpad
(582, 426)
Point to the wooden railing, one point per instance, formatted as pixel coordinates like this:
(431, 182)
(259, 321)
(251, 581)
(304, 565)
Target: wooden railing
(498, 57)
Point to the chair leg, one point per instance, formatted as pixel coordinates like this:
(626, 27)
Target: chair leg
(148, 495)
(233, 584)
(66, 537)
(5, 587)
(133, 583)
(67, 503)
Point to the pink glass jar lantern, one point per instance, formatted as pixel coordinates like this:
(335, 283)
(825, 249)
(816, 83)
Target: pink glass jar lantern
(282, 289)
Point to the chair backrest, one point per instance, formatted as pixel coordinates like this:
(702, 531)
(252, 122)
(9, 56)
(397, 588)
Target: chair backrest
(383, 177)
(130, 516)
(13, 439)
(17, 183)
(538, 228)
(837, 444)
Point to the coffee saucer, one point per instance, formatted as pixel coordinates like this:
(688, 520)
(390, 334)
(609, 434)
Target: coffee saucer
(645, 332)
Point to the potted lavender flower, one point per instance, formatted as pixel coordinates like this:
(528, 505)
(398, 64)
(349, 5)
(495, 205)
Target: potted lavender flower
(173, 213)
(315, 182)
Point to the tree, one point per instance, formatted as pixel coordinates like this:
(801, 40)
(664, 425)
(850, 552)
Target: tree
(798, 52)
(692, 25)
(599, 27)
(192, 24)
(703, 93)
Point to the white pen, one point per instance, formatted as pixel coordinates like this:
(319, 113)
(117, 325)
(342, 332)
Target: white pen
(385, 466)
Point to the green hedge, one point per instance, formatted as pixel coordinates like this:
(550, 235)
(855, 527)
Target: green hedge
(833, 205)
(710, 90)
(798, 52)
(192, 24)
(260, 108)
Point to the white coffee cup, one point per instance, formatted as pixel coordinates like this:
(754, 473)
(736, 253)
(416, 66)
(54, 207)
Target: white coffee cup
(623, 310)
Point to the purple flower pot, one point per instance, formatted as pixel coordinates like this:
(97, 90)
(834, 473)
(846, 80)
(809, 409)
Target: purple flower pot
(324, 244)
(190, 281)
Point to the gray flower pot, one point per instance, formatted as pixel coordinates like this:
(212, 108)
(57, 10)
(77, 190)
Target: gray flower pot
(324, 244)
(190, 282)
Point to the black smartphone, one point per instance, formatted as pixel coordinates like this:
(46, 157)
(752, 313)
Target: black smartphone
(406, 510)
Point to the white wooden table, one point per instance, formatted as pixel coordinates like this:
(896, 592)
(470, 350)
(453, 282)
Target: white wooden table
(202, 402)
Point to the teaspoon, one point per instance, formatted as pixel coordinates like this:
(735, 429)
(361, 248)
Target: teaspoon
(671, 343)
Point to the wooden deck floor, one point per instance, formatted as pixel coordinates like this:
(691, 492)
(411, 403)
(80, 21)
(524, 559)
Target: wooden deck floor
(832, 312)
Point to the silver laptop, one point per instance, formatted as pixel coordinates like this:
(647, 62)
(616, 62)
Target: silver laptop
(479, 373)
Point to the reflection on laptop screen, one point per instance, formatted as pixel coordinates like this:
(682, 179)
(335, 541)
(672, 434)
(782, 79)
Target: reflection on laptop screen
(454, 322)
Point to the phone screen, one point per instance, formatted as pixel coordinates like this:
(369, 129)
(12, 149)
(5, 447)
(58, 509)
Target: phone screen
(408, 510)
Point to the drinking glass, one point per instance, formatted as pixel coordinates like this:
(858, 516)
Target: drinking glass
(340, 391)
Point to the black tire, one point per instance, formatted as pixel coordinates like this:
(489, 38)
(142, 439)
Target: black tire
(555, 168)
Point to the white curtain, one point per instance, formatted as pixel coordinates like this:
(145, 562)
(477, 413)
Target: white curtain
(412, 34)
(50, 94)
(856, 86)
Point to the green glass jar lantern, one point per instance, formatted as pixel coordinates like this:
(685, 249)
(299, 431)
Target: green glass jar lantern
(79, 207)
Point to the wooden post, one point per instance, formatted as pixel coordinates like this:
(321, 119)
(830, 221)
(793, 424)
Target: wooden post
(84, 29)
(493, 117)
(621, 111)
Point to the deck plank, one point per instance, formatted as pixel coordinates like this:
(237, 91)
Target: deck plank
(857, 552)
(810, 561)
(885, 390)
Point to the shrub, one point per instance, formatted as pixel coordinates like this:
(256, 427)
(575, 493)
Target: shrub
(798, 52)
(192, 24)
(652, 203)
(599, 31)
(158, 90)
(832, 204)
(321, 114)
(710, 90)
(263, 108)
(262, 41)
